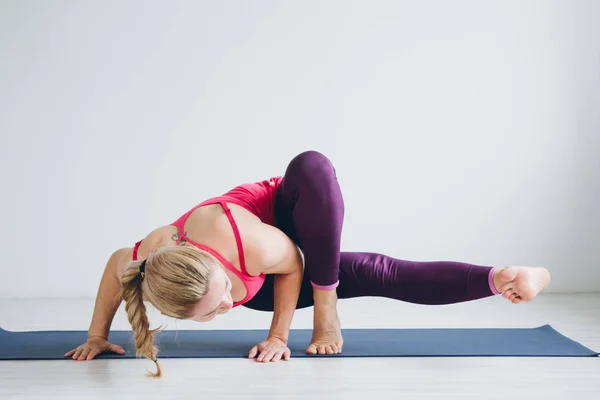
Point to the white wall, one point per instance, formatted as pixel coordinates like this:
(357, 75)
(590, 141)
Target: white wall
(463, 130)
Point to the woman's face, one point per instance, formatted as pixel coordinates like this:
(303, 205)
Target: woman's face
(217, 300)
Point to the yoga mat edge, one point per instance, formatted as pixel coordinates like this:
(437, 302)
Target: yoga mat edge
(542, 341)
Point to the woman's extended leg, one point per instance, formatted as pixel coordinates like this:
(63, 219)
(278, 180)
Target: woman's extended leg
(435, 282)
(364, 274)
(420, 282)
(309, 208)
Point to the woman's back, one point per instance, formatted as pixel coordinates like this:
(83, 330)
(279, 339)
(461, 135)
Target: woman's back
(245, 243)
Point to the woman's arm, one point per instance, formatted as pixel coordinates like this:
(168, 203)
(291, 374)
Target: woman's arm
(287, 282)
(108, 297)
(279, 255)
(273, 252)
(108, 300)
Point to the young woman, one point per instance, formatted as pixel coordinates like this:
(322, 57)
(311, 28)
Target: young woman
(275, 246)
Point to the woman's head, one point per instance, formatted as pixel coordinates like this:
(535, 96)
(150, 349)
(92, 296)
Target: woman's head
(180, 281)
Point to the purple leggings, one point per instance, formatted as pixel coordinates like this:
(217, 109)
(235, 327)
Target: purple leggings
(310, 210)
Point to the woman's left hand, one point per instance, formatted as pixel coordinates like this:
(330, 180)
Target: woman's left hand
(272, 349)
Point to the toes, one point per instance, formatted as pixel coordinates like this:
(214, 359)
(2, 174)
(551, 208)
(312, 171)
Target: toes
(507, 293)
(517, 299)
(333, 348)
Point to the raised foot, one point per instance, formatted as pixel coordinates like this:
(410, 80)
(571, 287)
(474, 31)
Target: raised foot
(521, 283)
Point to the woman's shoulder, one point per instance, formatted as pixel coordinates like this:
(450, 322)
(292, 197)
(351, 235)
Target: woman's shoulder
(266, 247)
(120, 259)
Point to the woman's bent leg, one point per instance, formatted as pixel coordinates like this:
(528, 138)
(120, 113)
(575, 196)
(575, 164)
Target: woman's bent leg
(309, 208)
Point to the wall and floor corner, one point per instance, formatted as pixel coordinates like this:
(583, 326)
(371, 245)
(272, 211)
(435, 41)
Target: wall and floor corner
(462, 131)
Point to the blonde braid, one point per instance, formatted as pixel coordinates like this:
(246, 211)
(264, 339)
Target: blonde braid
(132, 294)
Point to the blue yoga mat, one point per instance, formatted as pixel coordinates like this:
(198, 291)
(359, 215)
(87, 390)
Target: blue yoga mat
(543, 341)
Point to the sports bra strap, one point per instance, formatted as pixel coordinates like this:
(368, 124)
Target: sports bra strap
(238, 239)
(135, 250)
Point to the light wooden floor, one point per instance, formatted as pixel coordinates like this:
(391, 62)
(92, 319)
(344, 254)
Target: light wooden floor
(575, 315)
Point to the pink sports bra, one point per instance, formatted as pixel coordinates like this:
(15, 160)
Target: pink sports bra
(257, 198)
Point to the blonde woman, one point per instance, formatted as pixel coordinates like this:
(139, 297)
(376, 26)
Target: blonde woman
(242, 248)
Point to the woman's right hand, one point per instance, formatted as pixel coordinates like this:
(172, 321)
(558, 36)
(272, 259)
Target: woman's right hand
(94, 346)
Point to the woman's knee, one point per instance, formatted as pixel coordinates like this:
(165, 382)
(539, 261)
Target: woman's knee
(310, 164)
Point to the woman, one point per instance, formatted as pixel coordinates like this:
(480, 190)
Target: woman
(242, 248)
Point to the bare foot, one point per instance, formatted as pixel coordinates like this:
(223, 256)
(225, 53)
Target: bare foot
(327, 332)
(521, 283)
